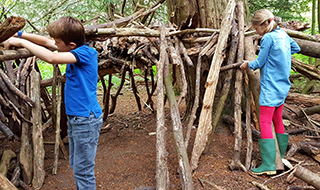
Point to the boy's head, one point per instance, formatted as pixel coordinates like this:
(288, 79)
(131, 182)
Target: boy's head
(263, 21)
(68, 29)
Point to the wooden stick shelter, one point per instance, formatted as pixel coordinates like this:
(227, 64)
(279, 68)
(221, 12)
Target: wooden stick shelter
(27, 108)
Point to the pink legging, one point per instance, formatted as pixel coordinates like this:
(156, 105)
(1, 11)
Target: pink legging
(268, 115)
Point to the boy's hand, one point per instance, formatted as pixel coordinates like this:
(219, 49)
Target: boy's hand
(16, 42)
(244, 65)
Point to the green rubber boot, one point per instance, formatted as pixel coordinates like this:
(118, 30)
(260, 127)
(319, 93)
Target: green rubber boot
(268, 156)
(282, 143)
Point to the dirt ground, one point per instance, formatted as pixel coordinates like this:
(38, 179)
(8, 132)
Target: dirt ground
(126, 156)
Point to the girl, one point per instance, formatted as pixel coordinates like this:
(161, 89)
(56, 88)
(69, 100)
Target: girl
(274, 62)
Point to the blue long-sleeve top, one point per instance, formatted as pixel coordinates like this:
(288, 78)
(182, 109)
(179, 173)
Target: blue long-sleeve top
(274, 62)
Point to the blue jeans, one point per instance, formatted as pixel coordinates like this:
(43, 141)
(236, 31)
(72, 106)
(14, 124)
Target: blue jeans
(83, 135)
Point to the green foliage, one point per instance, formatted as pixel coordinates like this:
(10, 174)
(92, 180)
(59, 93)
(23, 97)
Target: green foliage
(41, 13)
(286, 9)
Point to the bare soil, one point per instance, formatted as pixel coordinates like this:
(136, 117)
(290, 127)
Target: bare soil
(126, 156)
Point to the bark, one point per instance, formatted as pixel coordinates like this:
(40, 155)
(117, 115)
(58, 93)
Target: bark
(309, 111)
(307, 176)
(197, 94)
(307, 100)
(205, 127)
(162, 175)
(248, 122)
(310, 148)
(14, 54)
(254, 76)
(37, 139)
(309, 48)
(310, 71)
(5, 161)
(236, 163)
(134, 88)
(185, 171)
(301, 35)
(10, 26)
(15, 90)
(26, 152)
(5, 184)
(227, 82)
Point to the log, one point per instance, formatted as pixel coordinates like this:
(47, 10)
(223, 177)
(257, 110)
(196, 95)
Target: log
(226, 85)
(307, 100)
(162, 173)
(185, 170)
(310, 71)
(5, 161)
(37, 138)
(309, 111)
(310, 148)
(26, 152)
(307, 176)
(5, 184)
(10, 26)
(236, 162)
(204, 128)
(308, 48)
(300, 35)
(14, 54)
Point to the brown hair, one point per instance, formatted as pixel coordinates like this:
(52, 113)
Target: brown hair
(263, 15)
(68, 29)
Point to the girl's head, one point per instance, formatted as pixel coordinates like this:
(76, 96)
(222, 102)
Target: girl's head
(263, 21)
(68, 29)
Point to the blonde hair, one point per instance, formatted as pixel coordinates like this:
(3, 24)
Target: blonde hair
(263, 15)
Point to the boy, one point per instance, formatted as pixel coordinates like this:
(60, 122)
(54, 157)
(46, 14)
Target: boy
(82, 107)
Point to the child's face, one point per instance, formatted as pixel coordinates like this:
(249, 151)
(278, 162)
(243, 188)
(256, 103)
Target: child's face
(62, 47)
(260, 29)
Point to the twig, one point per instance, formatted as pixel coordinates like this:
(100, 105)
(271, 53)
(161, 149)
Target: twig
(211, 183)
(309, 120)
(273, 177)
(261, 186)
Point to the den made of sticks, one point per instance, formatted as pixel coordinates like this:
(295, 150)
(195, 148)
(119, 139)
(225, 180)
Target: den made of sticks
(199, 60)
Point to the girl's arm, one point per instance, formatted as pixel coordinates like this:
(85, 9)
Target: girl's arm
(42, 52)
(263, 54)
(295, 48)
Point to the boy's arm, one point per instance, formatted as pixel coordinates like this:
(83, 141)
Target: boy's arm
(37, 39)
(42, 52)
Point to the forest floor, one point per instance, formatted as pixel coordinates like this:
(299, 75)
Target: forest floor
(126, 155)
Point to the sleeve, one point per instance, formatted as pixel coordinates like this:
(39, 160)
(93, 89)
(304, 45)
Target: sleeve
(265, 47)
(294, 46)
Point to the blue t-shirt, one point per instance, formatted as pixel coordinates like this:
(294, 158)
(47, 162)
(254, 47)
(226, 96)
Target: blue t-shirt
(81, 84)
(274, 62)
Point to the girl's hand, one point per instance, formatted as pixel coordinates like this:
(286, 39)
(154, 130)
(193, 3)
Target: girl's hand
(244, 65)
